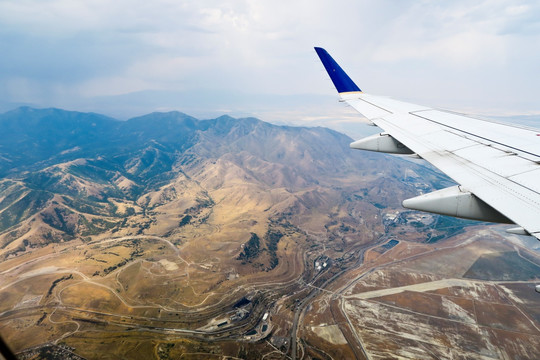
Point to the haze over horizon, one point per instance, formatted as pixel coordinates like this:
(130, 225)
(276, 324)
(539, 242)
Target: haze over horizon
(246, 58)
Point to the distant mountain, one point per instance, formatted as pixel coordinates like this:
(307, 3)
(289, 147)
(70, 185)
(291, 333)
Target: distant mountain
(70, 175)
(29, 136)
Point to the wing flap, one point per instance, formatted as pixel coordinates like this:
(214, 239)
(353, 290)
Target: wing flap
(512, 138)
(496, 160)
(529, 180)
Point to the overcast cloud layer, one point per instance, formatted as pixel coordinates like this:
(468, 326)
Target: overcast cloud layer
(129, 57)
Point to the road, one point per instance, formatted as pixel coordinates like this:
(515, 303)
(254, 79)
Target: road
(356, 345)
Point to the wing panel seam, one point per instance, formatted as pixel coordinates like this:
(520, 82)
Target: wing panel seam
(370, 103)
(469, 133)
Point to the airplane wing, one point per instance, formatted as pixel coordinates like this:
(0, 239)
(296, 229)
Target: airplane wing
(496, 165)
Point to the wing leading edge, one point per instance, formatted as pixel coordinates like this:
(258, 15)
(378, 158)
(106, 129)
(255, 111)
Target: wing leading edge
(496, 165)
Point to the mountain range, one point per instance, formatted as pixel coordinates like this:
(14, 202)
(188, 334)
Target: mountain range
(69, 174)
(181, 219)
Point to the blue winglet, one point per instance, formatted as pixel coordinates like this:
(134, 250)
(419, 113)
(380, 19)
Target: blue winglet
(341, 80)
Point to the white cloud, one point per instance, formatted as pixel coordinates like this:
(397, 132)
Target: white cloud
(449, 53)
(460, 35)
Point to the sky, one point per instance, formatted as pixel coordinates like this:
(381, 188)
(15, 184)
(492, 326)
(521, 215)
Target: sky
(125, 58)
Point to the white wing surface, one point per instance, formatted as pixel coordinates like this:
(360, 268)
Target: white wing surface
(496, 165)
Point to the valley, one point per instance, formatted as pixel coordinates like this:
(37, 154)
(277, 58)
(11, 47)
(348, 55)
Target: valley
(170, 237)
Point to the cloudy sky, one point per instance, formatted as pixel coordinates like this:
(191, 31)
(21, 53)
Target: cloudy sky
(255, 57)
